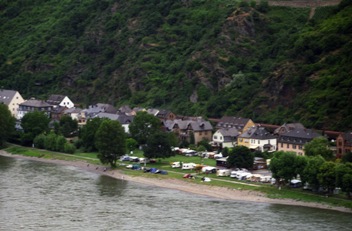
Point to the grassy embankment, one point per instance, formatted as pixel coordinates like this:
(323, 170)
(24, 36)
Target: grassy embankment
(269, 190)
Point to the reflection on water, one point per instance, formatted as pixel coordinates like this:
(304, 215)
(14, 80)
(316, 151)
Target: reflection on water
(110, 187)
(40, 196)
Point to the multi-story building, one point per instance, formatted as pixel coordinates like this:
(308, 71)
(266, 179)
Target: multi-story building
(12, 99)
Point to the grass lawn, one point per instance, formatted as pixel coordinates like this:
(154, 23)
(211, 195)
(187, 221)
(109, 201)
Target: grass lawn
(270, 190)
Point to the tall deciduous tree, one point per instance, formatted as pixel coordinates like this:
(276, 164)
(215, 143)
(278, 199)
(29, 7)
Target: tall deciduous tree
(110, 141)
(311, 171)
(344, 178)
(7, 122)
(327, 176)
(158, 146)
(240, 157)
(143, 126)
(33, 124)
(282, 166)
(87, 134)
(68, 126)
(318, 146)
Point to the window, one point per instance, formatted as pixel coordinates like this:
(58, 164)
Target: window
(282, 145)
(215, 137)
(300, 147)
(293, 146)
(288, 145)
(220, 137)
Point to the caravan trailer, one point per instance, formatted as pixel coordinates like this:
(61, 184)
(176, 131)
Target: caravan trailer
(223, 172)
(188, 166)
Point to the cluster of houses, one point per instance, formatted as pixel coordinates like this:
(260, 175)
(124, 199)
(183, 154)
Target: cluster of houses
(228, 131)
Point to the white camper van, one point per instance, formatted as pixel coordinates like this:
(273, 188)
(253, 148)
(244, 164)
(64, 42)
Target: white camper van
(186, 166)
(223, 172)
(176, 165)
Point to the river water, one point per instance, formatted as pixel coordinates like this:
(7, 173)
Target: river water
(41, 196)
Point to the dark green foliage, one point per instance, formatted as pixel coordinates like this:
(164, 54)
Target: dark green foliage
(158, 146)
(87, 134)
(7, 124)
(33, 124)
(282, 166)
(311, 171)
(110, 142)
(347, 157)
(318, 146)
(68, 126)
(160, 53)
(240, 157)
(143, 126)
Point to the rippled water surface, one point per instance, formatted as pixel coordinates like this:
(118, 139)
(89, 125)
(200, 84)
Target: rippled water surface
(40, 196)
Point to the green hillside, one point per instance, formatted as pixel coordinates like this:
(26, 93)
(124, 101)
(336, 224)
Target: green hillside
(195, 57)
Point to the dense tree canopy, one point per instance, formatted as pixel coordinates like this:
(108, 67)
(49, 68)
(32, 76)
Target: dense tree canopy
(87, 134)
(282, 166)
(143, 126)
(33, 124)
(7, 122)
(240, 157)
(327, 176)
(110, 141)
(311, 171)
(158, 146)
(318, 146)
(68, 126)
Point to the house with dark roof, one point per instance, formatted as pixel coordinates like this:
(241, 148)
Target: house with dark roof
(241, 124)
(185, 129)
(60, 100)
(125, 120)
(34, 105)
(165, 115)
(258, 138)
(12, 99)
(294, 139)
(225, 138)
(286, 127)
(95, 109)
(343, 144)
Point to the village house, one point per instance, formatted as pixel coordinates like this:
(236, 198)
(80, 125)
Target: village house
(225, 138)
(124, 120)
(95, 109)
(12, 99)
(241, 124)
(57, 112)
(185, 129)
(343, 144)
(34, 105)
(258, 138)
(292, 137)
(60, 100)
(165, 115)
(76, 114)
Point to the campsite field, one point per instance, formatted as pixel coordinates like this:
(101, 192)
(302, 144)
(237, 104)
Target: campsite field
(269, 190)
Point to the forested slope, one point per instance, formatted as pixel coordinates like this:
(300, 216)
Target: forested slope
(195, 57)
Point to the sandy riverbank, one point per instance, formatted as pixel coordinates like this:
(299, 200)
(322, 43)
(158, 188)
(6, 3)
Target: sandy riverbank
(200, 189)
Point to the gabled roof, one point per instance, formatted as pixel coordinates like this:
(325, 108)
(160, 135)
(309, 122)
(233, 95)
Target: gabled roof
(186, 124)
(163, 113)
(256, 132)
(6, 96)
(153, 111)
(125, 109)
(55, 99)
(73, 110)
(286, 127)
(35, 103)
(231, 132)
(231, 121)
(298, 136)
(123, 119)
